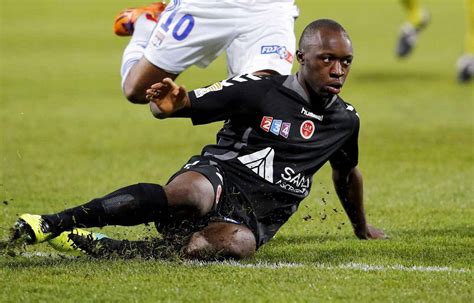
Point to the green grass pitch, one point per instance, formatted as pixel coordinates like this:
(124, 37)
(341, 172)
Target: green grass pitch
(68, 135)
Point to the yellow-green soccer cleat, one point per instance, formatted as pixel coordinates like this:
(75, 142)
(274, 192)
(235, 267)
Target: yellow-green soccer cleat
(31, 229)
(63, 243)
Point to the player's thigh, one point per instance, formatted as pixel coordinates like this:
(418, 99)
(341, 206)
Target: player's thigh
(267, 41)
(190, 193)
(196, 188)
(221, 240)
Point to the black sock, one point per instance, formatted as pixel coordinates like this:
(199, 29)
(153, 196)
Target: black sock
(131, 205)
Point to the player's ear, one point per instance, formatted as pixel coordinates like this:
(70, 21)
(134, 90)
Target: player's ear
(300, 57)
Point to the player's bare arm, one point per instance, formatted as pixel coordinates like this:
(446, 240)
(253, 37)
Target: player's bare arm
(166, 97)
(349, 188)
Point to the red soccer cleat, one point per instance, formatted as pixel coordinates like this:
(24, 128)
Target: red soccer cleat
(124, 23)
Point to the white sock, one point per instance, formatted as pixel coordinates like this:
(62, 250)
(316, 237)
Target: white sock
(135, 48)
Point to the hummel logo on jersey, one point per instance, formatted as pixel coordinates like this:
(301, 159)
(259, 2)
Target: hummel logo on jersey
(306, 112)
(260, 162)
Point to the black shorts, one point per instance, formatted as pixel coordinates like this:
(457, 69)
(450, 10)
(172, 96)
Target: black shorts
(230, 203)
(240, 199)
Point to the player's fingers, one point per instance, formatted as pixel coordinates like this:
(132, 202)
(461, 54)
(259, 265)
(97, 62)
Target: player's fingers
(152, 95)
(170, 83)
(163, 88)
(158, 85)
(153, 92)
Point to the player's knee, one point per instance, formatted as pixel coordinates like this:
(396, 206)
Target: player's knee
(191, 192)
(237, 244)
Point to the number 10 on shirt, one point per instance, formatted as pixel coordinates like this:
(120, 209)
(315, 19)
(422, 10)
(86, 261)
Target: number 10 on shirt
(182, 28)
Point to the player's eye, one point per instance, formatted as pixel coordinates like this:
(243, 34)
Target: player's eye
(326, 59)
(347, 62)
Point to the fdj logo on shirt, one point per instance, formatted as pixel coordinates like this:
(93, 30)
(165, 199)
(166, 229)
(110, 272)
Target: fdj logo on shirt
(277, 49)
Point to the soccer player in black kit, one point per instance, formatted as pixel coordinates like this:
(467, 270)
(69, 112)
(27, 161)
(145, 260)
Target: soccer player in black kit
(233, 198)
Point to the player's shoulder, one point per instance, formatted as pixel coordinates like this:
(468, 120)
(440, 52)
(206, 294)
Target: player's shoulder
(238, 81)
(242, 85)
(256, 80)
(254, 84)
(346, 107)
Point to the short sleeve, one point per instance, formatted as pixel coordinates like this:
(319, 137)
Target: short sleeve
(225, 99)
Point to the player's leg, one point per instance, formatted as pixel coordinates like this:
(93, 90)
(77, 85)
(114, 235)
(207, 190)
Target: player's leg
(417, 19)
(215, 241)
(137, 72)
(187, 33)
(221, 240)
(190, 194)
(465, 64)
(187, 195)
(131, 205)
(414, 11)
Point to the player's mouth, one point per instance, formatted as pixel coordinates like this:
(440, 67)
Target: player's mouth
(333, 88)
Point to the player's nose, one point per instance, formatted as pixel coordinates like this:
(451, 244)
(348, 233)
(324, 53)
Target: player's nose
(336, 70)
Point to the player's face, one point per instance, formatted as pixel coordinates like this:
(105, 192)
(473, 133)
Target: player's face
(325, 63)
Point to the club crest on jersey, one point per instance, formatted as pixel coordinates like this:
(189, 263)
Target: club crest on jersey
(275, 126)
(279, 50)
(307, 129)
(199, 92)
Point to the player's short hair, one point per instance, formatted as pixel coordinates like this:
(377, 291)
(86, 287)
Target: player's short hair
(315, 26)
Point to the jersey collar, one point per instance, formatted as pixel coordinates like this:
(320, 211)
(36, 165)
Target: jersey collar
(293, 84)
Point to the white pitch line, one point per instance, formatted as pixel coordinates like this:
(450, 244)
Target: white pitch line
(349, 266)
(368, 267)
(278, 265)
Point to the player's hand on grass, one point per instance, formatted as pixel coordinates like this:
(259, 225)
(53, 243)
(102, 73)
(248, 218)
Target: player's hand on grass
(375, 233)
(166, 97)
(371, 233)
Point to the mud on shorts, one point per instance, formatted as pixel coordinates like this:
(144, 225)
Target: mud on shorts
(230, 203)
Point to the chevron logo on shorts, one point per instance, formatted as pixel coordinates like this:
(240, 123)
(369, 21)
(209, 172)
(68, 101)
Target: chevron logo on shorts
(260, 162)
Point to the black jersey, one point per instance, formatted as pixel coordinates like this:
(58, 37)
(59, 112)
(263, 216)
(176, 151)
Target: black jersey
(272, 142)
